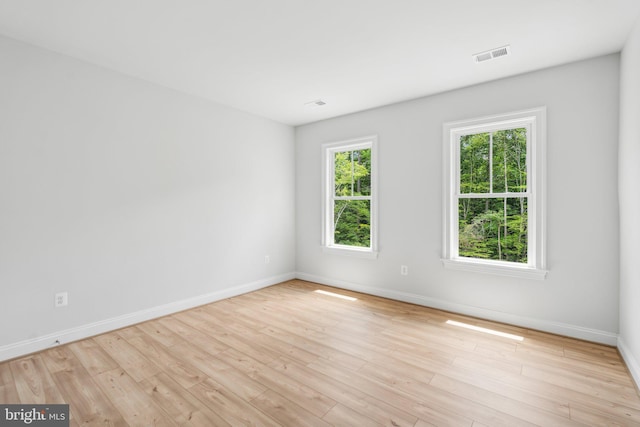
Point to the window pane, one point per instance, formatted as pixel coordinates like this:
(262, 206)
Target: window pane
(474, 163)
(362, 178)
(352, 222)
(353, 173)
(510, 160)
(493, 229)
(343, 177)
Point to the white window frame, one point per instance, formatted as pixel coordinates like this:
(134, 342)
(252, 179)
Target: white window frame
(328, 151)
(535, 122)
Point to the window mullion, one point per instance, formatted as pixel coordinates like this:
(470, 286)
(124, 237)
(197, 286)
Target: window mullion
(352, 172)
(490, 162)
(455, 214)
(352, 198)
(493, 195)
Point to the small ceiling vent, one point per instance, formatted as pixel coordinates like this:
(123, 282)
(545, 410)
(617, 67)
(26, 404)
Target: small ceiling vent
(492, 54)
(316, 103)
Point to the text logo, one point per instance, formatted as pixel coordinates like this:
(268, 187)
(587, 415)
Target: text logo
(34, 415)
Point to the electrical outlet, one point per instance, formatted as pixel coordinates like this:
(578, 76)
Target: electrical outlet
(62, 299)
(266, 259)
(404, 270)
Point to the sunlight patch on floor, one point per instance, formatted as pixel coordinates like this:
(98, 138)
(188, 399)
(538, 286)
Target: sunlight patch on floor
(332, 294)
(485, 330)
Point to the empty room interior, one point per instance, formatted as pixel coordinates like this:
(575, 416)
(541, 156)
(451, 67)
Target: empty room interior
(349, 213)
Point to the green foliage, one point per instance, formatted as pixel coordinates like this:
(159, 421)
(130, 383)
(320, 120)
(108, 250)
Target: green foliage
(352, 223)
(493, 228)
(352, 171)
(486, 234)
(474, 163)
(352, 218)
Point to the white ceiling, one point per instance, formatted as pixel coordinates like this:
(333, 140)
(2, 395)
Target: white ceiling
(270, 57)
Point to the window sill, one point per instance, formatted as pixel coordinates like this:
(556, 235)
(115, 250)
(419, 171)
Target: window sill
(350, 251)
(501, 269)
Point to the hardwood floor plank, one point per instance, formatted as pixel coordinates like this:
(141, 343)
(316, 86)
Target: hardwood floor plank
(423, 423)
(397, 376)
(427, 357)
(288, 355)
(34, 383)
(510, 387)
(434, 335)
(614, 393)
(6, 377)
(611, 410)
(285, 411)
(231, 339)
(179, 404)
(316, 348)
(89, 405)
(593, 416)
(92, 356)
(229, 406)
(8, 391)
(426, 406)
(487, 367)
(135, 406)
(282, 347)
(378, 411)
(306, 397)
(159, 332)
(544, 391)
(169, 360)
(341, 415)
(193, 336)
(59, 359)
(221, 372)
(128, 358)
(130, 332)
(502, 403)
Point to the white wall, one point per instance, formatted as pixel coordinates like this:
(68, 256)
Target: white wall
(130, 197)
(139, 200)
(580, 295)
(629, 185)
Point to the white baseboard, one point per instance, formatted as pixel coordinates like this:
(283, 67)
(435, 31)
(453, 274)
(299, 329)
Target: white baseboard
(632, 363)
(565, 329)
(25, 347)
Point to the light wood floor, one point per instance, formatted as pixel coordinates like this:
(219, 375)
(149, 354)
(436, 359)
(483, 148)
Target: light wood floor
(287, 355)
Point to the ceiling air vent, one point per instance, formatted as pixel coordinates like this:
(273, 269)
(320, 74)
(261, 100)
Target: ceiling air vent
(492, 54)
(316, 103)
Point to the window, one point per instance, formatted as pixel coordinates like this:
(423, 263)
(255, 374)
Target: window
(494, 219)
(350, 197)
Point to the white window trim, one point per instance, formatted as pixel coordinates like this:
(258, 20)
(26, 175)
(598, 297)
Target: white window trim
(536, 187)
(327, 186)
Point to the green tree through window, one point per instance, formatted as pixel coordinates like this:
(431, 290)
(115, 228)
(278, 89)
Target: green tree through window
(352, 198)
(349, 221)
(492, 200)
(494, 194)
